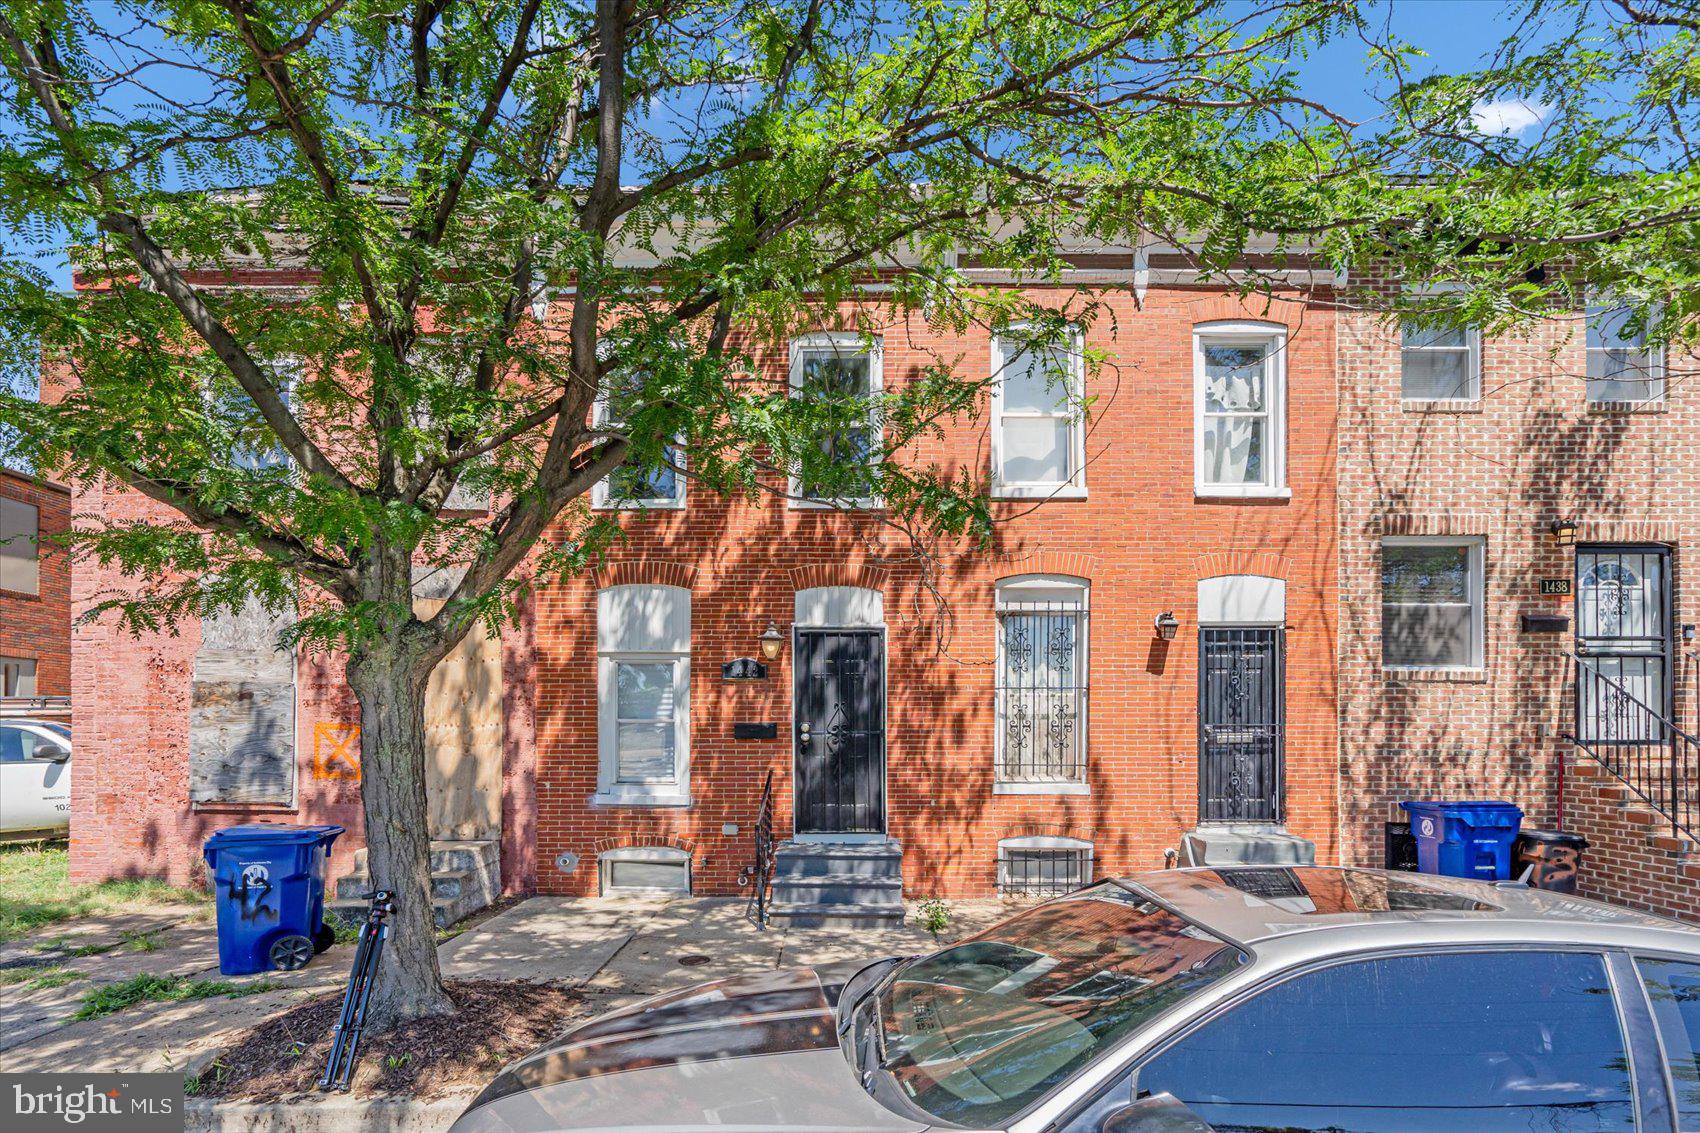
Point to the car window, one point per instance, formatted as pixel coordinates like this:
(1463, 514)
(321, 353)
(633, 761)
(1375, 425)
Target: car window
(1674, 989)
(12, 745)
(1485, 1041)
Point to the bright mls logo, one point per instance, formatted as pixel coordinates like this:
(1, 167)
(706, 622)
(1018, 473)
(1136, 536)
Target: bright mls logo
(133, 1103)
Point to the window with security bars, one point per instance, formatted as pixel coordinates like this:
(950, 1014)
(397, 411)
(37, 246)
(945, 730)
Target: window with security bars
(1043, 867)
(1041, 684)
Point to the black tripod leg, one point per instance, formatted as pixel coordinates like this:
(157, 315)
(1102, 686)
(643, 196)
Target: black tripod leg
(339, 1035)
(360, 1015)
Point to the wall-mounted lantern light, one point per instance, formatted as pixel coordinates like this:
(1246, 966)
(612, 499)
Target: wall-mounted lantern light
(772, 641)
(1564, 532)
(1167, 625)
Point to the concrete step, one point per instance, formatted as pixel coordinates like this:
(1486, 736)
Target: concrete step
(839, 916)
(452, 856)
(882, 860)
(838, 889)
(1236, 844)
(444, 912)
(448, 886)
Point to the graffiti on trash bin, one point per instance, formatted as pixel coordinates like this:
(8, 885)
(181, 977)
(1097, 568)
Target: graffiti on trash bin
(255, 885)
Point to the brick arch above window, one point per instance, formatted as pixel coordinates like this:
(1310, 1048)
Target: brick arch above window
(1269, 564)
(1077, 564)
(632, 841)
(1283, 313)
(646, 572)
(838, 574)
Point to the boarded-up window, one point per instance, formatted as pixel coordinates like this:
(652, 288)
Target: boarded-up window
(19, 529)
(242, 714)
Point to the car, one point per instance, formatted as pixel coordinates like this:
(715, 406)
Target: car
(1179, 1001)
(35, 778)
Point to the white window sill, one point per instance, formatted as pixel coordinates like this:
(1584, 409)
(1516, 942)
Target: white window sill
(1656, 405)
(1038, 492)
(1474, 674)
(837, 505)
(1440, 404)
(640, 505)
(1041, 789)
(1230, 492)
(640, 798)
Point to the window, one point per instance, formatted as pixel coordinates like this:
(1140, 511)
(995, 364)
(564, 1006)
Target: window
(1043, 866)
(254, 446)
(1239, 435)
(1489, 1042)
(1439, 363)
(1674, 989)
(839, 375)
(645, 869)
(1041, 689)
(1621, 365)
(1431, 603)
(18, 745)
(644, 686)
(1038, 439)
(20, 532)
(17, 676)
(634, 485)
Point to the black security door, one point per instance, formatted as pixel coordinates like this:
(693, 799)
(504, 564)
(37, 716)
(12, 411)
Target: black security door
(1241, 713)
(1623, 629)
(840, 732)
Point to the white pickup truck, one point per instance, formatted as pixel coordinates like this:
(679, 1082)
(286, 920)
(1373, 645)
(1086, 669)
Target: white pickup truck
(35, 778)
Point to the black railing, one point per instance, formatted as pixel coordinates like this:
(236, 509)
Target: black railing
(759, 872)
(1639, 746)
(1043, 872)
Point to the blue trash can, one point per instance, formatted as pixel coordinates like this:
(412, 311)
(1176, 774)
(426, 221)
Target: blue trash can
(1465, 839)
(269, 882)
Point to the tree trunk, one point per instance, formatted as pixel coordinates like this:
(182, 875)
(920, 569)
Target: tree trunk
(390, 684)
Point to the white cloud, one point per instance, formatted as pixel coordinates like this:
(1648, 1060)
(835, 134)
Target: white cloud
(1508, 117)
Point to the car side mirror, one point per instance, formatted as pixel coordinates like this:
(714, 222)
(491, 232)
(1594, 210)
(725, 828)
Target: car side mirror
(1156, 1113)
(52, 755)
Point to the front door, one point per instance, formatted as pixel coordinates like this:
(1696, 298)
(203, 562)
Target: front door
(840, 731)
(1623, 628)
(1241, 714)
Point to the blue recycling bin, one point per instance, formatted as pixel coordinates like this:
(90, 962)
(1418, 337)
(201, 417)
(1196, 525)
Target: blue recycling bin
(1465, 839)
(269, 883)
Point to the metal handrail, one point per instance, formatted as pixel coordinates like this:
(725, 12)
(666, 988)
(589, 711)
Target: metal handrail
(760, 871)
(1639, 746)
(35, 705)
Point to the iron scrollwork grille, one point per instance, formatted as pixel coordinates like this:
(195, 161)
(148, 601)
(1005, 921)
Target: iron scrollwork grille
(1046, 872)
(1041, 694)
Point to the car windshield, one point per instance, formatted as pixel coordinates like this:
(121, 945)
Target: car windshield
(982, 1030)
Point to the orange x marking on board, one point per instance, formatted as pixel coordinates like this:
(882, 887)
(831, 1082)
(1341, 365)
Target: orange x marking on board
(336, 751)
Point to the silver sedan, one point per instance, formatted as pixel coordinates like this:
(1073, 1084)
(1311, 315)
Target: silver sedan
(1186, 1000)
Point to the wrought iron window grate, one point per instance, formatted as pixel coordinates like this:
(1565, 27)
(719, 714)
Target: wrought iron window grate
(1043, 872)
(1041, 694)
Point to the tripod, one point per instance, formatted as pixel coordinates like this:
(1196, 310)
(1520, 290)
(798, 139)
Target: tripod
(345, 1039)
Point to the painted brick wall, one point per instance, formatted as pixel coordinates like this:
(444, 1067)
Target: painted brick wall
(39, 625)
(1531, 451)
(1140, 537)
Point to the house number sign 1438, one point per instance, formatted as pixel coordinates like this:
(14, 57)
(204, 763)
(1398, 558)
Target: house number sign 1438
(1555, 586)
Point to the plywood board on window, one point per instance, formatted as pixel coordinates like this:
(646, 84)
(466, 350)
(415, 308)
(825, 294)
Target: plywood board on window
(463, 736)
(242, 710)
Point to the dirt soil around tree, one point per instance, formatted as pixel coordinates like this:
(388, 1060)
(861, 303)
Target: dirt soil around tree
(495, 1022)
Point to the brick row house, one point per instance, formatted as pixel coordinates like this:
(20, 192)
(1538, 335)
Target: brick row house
(35, 587)
(1268, 565)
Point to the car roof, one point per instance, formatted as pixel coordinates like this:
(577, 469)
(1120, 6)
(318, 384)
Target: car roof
(1254, 904)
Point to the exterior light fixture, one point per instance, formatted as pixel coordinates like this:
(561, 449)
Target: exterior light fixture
(772, 641)
(1564, 532)
(1167, 624)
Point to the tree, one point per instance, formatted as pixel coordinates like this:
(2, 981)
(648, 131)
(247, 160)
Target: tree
(459, 188)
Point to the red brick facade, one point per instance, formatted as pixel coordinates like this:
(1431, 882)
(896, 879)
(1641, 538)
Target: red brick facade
(1140, 537)
(37, 627)
(1529, 451)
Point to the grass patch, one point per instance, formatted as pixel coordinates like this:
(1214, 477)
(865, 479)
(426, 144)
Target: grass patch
(38, 977)
(113, 998)
(35, 890)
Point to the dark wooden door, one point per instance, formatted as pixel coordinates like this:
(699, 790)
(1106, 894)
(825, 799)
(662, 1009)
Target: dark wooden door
(840, 731)
(1241, 717)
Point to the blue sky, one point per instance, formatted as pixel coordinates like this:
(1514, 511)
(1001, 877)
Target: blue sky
(1457, 34)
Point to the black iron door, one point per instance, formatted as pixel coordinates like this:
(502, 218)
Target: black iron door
(840, 731)
(1623, 628)
(1241, 714)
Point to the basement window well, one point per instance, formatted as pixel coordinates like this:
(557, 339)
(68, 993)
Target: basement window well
(645, 869)
(1043, 866)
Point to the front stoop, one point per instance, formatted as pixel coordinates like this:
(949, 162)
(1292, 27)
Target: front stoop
(818, 884)
(327, 1113)
(1235, 844)
(466, 875)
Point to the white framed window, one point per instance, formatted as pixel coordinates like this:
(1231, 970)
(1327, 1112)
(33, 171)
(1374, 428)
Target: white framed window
(20, 547)
(1432, 604)
(644, 869)
(1040, 743)
(633, 485)
(1622, 366)
(1239, 416)
(1043, 865)
(1038, 416)
(843, 373)
(1438, 363)
(17, 676)
(256, 447)
(643, 645)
